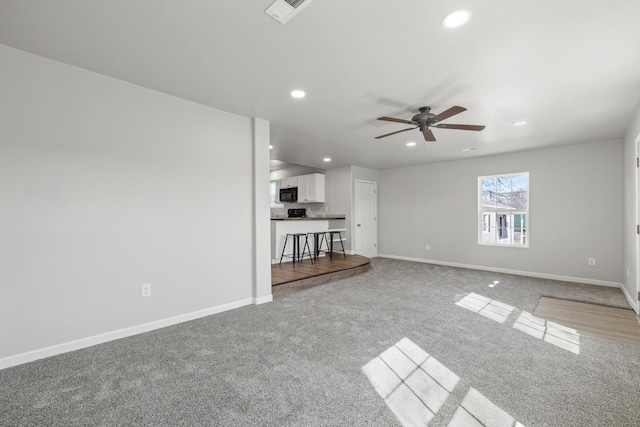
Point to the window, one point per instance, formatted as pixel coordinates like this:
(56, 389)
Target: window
(273, 188)
(504, 210)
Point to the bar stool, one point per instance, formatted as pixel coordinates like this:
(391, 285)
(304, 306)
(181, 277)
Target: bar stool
(332, 233)
(295, 255)
(318, 237)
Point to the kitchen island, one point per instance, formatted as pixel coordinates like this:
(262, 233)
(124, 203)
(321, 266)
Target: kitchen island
(281, 226)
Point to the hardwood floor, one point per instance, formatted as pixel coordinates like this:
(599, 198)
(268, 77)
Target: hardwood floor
(287, 277)
(615, 324)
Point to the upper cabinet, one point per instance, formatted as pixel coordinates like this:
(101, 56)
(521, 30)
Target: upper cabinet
(289, 182)
(310, 188)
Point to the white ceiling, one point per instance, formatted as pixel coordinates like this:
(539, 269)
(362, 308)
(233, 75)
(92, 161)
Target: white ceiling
(570, 67)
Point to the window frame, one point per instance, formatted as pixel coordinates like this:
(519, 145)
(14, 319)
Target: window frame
(273, 196)
(481, 223)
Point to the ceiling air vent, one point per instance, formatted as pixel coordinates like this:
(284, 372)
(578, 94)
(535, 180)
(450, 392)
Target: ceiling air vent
(283, 10)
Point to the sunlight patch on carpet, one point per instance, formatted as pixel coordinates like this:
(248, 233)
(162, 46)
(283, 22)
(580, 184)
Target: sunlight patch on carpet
(553, 333)
(415, 385)
(486, 307)
(550, 332)
(477, 410)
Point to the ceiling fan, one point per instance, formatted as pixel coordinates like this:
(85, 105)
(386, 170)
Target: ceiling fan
(425, 120)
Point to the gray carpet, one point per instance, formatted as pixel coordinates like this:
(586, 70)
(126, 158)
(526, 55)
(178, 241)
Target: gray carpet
(298, 361)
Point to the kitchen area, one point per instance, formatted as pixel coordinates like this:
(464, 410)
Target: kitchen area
(313, 202)
(298, 206)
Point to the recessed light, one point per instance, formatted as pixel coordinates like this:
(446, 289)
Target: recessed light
(411, 144)
(469, 149)
(298, 93)
(520, 123)
(456, 18)
(327, 159)
(271, 147)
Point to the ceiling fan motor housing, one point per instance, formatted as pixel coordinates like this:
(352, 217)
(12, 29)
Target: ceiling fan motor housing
(424, 118)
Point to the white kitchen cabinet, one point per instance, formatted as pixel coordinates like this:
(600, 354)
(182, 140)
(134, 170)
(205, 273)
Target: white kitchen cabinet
(289, 182)
(311, 188)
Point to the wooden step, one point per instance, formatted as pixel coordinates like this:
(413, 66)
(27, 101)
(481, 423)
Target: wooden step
(288, 277)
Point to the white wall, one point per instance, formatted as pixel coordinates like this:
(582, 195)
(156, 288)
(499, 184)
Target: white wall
(107, 186)
(338, 198)
(575, 212)
(293, 170)
(630, 261)
(363, 174)
(262, 204)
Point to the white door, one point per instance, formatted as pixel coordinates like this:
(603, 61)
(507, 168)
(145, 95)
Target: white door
(366, 224)
(637, 295)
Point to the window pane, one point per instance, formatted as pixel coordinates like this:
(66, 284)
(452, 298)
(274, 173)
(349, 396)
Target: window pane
(520, 228)
(489, 198)
(273, 193)
(503, 184)
(520, 191)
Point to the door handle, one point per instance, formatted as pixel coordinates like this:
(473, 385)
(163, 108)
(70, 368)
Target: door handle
(358, 225)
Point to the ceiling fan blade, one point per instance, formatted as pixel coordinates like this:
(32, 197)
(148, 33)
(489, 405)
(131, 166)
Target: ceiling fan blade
(459, 127)
(391, 119)
(393, 133)
(428, 135)
(447, 113)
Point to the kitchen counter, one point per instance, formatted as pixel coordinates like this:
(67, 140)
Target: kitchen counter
(309, 218)
(281, 226)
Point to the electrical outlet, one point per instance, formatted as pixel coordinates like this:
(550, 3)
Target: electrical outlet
(427, 247)
(145, 290)
(592, 261)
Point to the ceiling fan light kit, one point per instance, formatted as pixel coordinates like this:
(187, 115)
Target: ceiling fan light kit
(426, 120)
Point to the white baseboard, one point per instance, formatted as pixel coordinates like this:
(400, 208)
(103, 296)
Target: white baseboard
(507, 271)
(262, 300)
(66, 347)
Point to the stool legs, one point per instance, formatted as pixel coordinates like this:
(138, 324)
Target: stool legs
(318, 237)
(296, 255)
(284, 247)
(296, 248)
(331, 234)
(301, 249)
(306, 247)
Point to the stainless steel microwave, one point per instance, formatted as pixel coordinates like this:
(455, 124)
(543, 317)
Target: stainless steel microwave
(289, 195)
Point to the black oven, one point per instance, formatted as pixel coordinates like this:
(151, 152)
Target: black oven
(289, 195)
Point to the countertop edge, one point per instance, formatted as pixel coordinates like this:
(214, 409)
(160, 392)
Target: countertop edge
(315, 218)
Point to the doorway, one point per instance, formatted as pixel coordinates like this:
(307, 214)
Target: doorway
(366, 221)
(637, 260)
